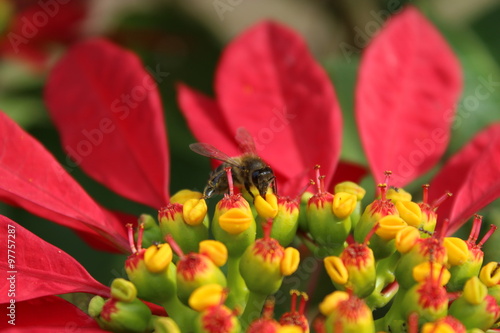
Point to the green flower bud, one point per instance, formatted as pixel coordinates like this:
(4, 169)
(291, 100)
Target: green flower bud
(152, 273)
(193, 271)
(216, 319)
(327, 229)
(475, 308)
(304, 200)
(123, 312)
(346, 313)
(354, 269)
(233, 224)
(265, 263)
(152, 232)
(427, 298)
(373, 213)
(172, 222)
(286, 222)
(419, 253)
(358, 191)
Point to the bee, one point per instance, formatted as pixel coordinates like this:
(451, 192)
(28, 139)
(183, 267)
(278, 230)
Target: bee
(248, 170)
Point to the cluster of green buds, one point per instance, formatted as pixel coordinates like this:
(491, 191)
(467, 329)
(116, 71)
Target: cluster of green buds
(387, 268)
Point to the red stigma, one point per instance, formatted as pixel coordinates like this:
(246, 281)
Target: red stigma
(425, 194)
(296, 317)
(320, 180)
(130, 232)
(230, 183)
(431, 293)
(476, 227)
(173, 244)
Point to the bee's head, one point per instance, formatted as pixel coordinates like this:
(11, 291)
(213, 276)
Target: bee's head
(262, 179)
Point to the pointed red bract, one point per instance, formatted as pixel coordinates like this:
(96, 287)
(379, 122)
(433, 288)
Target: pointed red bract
(268, 82)
(205, 120)
(109, 114)
(49, 313)
(31, 177)
(472, 175)
(39, 268)
(408, 87)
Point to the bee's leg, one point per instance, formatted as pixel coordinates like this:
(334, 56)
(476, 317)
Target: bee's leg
(216, 184)
(275, 186)
(247, 187)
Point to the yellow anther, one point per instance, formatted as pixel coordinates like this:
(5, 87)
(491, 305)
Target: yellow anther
(389, 226)
(344, 204)
(490, 274)
(331, 302)
(206, 296)
(235, 220)
(336, 269)
(266, 208)
(440, 327)
(422, 272)
(123, 290)
(397, 194)
(410, 212)
(215, 250)
(290, 329)
(158, 257)
(474, 291)
(457, 250)
(290, 261)
(194, 211)
(352, 188)
(184, 195)
(406, 238)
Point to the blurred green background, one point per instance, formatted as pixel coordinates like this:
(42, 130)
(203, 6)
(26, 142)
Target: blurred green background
(185, 38)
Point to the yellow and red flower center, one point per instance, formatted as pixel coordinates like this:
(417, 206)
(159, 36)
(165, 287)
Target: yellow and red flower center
(108, 309)
(170, 211)
(218, 319)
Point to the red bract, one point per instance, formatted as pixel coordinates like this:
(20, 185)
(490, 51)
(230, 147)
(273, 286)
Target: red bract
(408, 88)
(111, 123)
(49, 314)
(39, 268)
(268, 82)
(473, 175)
(109, 114)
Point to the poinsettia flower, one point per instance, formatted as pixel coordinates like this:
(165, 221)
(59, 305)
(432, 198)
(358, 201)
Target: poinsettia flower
(409, 83)
(269, 83)
(36, 27)
(111, 124)
(407, 93)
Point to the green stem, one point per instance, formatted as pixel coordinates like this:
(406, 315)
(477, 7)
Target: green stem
(183, 315)
(238, 291)
(253, 309)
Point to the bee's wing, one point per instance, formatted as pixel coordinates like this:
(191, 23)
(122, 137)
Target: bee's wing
(208, 150)
(245, 141)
